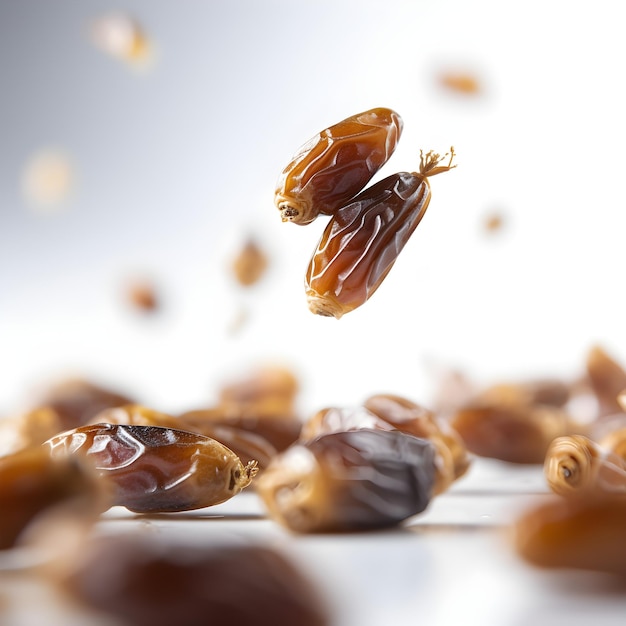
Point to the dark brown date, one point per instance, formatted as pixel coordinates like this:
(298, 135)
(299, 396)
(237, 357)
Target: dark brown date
(154, 469)
(387, 413)
(587, 533)
(336, 164)
(33, 484)
(362, 241)
(349, 481)
(145, 581)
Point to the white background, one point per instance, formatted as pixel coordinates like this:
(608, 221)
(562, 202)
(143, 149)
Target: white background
(175, 165)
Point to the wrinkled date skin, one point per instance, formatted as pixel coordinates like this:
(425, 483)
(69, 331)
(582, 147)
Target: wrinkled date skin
(587, 533)
(364, 238)
(145, 581)
(155, 469)
(332, 167)
(349, 481)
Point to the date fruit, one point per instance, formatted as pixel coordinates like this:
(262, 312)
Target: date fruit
(33, 484)
(332, 167)
(576, 464)
(587, 533)
(363, 239)
(147, 581)
(154, 469)
(349, 481)
(513, 433)
(76, 401)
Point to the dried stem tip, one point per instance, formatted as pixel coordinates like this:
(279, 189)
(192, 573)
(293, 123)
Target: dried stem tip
(429, 162)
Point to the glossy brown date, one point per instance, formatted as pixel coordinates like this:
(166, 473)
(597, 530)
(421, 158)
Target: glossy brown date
(363, 239)
(145, 581)
(576, 464)
(349, 481)
(154, 469)
(336, 164)
(587, 533)
(33, 484)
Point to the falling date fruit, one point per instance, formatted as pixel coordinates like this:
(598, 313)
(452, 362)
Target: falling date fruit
(336, 164)
(363, 239)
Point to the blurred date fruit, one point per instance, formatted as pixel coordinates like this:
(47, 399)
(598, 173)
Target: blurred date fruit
(587, 533)
(576, 464)
(145, 581)
(363, 239)
(509, 432)
(155, 469)
(336, 164)
(28, 429)
(607, 379)
(460, 82)
(249, 264)
(76, 401)
(33, 484)
(349, 481)
(142, 295)
(122, 37)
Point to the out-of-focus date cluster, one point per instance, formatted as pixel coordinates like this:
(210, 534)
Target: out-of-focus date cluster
(342, 469)
(582, 525)
(98, 448)
(83, 448)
